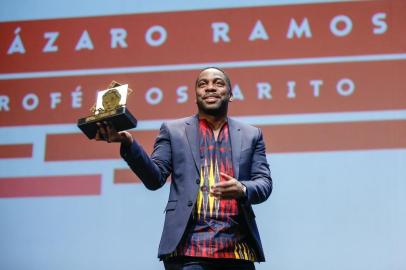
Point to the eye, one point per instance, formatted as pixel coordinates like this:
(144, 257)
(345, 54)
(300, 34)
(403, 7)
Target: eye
(220, 83)
(201, 84)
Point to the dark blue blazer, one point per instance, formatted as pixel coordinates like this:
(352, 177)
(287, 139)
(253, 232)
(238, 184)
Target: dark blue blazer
(176, 152)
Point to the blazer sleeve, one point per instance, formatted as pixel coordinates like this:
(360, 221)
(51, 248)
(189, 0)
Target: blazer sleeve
(152, 171)
(259, 186)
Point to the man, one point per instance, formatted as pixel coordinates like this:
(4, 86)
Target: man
(218, 168)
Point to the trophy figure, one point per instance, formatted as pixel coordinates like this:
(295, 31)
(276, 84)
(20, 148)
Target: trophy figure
(110, 107)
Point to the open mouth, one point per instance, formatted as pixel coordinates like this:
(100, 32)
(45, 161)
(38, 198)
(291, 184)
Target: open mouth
(211, 98)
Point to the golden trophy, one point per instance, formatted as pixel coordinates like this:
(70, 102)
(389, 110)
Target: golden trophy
(110, 107)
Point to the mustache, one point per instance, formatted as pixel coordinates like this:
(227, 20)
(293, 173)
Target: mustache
(211, 95)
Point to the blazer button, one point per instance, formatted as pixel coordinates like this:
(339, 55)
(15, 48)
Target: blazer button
(198, 181)
(189, 203)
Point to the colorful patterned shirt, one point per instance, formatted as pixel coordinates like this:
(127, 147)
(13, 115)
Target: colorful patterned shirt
(216, 229)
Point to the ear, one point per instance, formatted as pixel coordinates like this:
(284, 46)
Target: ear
(231, 99)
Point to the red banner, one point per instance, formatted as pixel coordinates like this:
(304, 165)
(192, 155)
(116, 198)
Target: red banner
(273, 32)
(39, 186)
(257, 91)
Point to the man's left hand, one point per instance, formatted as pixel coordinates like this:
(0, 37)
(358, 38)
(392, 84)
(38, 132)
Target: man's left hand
(231, 188)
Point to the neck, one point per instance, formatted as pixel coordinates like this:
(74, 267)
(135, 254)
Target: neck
(215, 122)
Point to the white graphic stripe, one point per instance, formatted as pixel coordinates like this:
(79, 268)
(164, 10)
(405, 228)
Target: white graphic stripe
(197, 66)
(18, 134)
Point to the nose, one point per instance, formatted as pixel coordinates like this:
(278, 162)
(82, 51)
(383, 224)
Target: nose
(210, 87)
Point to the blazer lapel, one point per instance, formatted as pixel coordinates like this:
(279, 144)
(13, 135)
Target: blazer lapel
(193, 139)
(236, 141)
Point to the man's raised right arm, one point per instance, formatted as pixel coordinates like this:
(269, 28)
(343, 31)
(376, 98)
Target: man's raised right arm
(152, 171)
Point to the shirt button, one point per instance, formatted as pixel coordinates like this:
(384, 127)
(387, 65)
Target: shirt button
(189, 203)
(198, 181)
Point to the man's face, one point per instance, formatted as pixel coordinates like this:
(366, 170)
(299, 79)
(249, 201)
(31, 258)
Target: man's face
(212, 94)
(110, 101)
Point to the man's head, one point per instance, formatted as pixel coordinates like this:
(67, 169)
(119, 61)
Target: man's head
(213, 92)
(111, 99)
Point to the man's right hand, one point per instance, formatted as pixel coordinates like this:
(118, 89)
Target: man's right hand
(106, 132)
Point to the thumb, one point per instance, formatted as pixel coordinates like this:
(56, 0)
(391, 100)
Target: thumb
(226, 176)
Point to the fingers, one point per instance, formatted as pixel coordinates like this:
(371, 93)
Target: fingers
(222, 189)
(226, 194)
(231, 188)
(110, 129)
(105, 132)
(101, 134)
(229, 181)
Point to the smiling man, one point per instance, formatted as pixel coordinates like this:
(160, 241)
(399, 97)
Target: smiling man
(218, 168)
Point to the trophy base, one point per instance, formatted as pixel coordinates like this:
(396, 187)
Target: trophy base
(120, 119)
